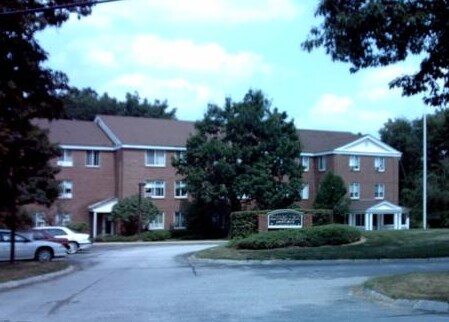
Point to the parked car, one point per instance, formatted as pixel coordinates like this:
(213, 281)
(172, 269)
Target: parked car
(27, 248)
(37, 234)
(76, 240)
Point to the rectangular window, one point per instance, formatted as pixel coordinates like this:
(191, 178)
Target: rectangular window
(305, 163)
(63, 219)
(157, 222)
(379, 191)
(180, 155)
(65, 159)
(66, 189)
(321, 163)
(354, 190)
(305, 191)
(155, 158)
(155, 189)
(92, 158)
(180, 189)
(379, 164)
(39, 219)
(354, 163)
(360, 219)
(179, 220)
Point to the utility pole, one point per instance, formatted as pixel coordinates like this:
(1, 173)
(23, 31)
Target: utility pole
(424, 173)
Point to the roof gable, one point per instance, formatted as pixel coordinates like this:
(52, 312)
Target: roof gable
(383, 207)
(368, 145)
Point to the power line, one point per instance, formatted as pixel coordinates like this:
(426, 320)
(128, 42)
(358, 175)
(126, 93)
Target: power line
(54, 7)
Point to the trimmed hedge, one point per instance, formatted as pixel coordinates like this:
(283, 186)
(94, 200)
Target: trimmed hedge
(244, 223)
(154, 235)
(308, 237)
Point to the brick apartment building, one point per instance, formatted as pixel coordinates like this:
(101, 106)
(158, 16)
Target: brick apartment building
(105, 160)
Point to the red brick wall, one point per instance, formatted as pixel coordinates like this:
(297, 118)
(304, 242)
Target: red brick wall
(134, 170)
(90, 185)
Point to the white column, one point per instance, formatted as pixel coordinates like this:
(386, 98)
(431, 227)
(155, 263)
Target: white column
(94, 224)
(103, 225)
(397, 221)
(367, 221)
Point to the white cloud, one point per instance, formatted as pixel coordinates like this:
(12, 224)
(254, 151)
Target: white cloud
(102, 57)
(194, 11)
(185, 55)
(331, 105)
(191, 99)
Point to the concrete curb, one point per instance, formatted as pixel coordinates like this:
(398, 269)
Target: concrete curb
(422, 305)
(158, 243)
(35, 279)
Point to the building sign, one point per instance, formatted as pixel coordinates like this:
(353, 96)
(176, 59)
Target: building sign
(284, 218)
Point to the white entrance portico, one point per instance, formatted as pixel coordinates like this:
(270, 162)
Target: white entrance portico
(100, 212)
(372, 215)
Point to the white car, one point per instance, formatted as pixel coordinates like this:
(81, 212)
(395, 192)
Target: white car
(76, 240)
(26, 248)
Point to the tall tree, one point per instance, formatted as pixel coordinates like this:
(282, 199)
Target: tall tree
(243, 152)
(407, 136)
(332, 195)
(370, 33)
(28, 90)
(85, 104)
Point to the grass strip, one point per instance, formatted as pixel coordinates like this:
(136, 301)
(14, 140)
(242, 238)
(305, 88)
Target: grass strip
(413, 286)
(378, 245)
(21, 270)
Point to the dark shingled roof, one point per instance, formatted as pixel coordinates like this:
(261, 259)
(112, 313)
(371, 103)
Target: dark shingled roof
(71, 132)
(316, 141)
(149, 131)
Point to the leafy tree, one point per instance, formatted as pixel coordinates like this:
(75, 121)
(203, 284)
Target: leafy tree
(126, 211)
(28, 90)
(332, 195)
(85, 104)
(407, 136)
(371, 33)
(242, 153)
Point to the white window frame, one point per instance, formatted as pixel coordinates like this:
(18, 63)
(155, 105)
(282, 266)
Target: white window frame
(180, 155)
(158, 158)
(379, 191)
(65, 159)
(180, 185)
(92, 159)
(379, 164)
(63, 219)
(39, 219)
(322, 163)
(154, 189)
(305, 163)
(179, 223)
(66, 189)
(354, 190)
(354, 163)
(305, 191)
(158, 223)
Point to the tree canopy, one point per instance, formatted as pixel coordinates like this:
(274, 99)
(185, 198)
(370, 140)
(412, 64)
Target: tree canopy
(332, 195)
(126, 211)
(406, 136)
(370, 33)
(243, 152)
(28, 90)
(86, 103)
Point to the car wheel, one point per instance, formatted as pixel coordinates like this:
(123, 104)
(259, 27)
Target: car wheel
(73, 248)
(44, 255)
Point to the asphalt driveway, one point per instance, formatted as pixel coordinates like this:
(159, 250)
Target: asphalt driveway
(160, 283)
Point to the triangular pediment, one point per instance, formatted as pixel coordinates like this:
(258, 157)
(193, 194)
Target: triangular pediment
(384, 207)
(368, 145)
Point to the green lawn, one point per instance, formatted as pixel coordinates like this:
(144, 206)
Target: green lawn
(378, 245)
(430, 286)
(24, 269)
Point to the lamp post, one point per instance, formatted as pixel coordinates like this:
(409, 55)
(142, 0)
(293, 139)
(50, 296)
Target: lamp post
(139, 210)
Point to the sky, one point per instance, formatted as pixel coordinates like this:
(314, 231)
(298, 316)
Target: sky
(198, 52)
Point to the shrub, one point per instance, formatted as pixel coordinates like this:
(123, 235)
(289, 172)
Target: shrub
(156, 235)
(244, 223)
(117, 238)
(309, 237)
